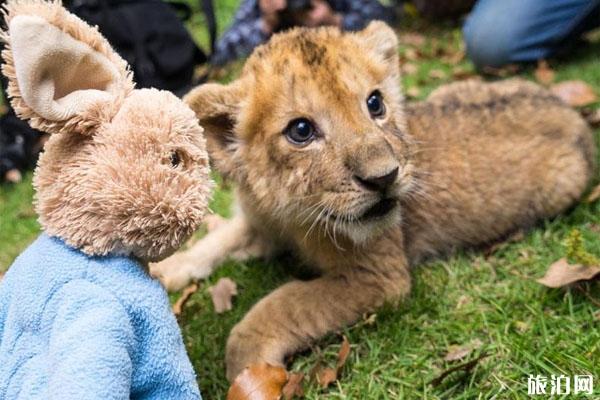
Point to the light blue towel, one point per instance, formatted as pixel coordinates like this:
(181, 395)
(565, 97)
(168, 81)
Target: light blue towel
(79, 327)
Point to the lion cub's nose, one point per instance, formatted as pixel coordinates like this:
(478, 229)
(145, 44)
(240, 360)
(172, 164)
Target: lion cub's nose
(378, 183)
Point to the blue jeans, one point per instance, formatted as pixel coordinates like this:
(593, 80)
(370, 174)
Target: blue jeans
(500, 32)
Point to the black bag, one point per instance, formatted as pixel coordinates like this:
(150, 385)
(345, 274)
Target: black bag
(148, 34)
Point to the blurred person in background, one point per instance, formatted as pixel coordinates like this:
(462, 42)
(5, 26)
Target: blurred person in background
(501, 32)
(256, 20)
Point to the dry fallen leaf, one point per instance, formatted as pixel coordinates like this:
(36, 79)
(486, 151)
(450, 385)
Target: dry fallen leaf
(467, 367)
(293, 387)
(456, 353)
(455, 57)
(412, 54)
(13, 176)
(343, 353)
(185, 295)
(221, 294)
(460, 73)
(594, 228)
(258, 382)
(561, 273)
(413, 92)
(594, 195)
(412, 39)
(1, 275)
(437, 74)
(502, 72)
(409, 68)
(326, 376)
(574, 93)
(543, 73)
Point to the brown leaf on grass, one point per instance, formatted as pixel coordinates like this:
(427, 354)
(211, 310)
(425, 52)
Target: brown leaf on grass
(456, 353)
(222, 293)
(326, 376)
(185, 296)
(502, 72)
(594, 195)
(1, 275)
(455, 57)
(543, 73)
(412, 54)
(13, 176)
(437, 74)
(413, 92)
(461, 73)
(409, 68)
(412, 39)
(343, 353)
(594, 228)
(294, 386)
(561, 273)
(466, 367)
(258, 382)
(574, 93)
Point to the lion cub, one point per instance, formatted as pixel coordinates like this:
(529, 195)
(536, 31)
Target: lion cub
(330, 162)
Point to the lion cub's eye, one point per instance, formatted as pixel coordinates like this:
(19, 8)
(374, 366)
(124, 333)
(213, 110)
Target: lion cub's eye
(175, 158)
(300, 131)
(375, 104)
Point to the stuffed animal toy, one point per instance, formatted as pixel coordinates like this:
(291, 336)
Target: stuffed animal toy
(123, 181)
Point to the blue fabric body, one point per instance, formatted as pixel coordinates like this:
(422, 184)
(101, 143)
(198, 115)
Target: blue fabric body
(79, 327)
(500, 32)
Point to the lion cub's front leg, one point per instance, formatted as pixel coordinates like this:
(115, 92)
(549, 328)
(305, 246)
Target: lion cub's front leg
(299, 312)
(232, 238)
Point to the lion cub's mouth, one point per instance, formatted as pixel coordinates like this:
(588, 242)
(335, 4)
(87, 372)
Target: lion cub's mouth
(380, 209)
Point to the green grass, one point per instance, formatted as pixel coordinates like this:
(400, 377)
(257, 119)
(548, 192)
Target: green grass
(525, 328)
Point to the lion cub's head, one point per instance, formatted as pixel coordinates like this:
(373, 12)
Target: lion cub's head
(313, 131)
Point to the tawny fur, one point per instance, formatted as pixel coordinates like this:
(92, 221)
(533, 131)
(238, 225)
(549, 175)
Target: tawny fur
(477, 161)
(105, 182)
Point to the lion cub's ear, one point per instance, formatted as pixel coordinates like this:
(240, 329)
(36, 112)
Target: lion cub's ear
(217, 108)
(62, 74)
(379, 38)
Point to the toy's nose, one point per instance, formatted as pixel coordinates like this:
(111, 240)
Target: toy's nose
(378, 183)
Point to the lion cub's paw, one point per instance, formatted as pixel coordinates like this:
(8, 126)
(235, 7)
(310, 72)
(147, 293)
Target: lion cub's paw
(214, 222)
(177, 271)
(245, 348)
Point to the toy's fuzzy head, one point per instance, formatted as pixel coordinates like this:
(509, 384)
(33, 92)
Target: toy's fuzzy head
(125, 171)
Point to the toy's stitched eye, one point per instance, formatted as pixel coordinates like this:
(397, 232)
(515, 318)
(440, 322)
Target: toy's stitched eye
(300, 131)
(175, 158)
(375, 104)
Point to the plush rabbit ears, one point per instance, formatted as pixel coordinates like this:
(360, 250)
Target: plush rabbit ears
(63, 75)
